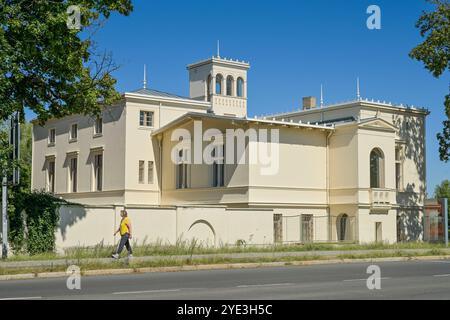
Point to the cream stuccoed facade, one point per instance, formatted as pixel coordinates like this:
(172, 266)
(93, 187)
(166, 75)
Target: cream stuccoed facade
(353, 171)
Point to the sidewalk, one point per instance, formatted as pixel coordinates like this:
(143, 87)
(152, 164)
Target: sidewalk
(247, 255)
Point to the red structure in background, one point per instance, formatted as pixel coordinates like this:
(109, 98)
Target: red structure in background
(434, 220)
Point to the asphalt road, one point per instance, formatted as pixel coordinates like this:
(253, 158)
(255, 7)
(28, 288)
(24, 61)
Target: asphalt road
(399, 280)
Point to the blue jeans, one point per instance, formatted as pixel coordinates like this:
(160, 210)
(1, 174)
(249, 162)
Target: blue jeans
(124, 241)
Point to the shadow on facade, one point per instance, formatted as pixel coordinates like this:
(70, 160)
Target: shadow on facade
(69, 216)
(411, 199)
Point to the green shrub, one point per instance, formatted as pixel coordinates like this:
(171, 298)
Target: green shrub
(34, 222)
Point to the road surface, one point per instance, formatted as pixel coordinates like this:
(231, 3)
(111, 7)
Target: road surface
(399, 280)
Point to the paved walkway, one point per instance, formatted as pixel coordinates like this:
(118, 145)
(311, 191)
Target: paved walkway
(246, 255)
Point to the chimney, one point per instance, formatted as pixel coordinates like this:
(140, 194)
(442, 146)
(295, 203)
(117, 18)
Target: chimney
(309, 103)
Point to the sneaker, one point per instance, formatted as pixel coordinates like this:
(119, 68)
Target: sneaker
(130, 256)
(115, 256)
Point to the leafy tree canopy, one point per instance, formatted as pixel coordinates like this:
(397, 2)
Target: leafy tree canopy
(434, 52)
(46, 66)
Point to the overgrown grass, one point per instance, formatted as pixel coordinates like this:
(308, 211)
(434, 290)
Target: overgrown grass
(195, 247)
(287, 260)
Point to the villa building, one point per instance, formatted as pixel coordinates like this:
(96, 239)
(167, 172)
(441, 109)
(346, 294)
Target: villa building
(353, 171)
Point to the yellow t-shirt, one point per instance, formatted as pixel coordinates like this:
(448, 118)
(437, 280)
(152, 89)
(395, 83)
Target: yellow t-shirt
(124, 226)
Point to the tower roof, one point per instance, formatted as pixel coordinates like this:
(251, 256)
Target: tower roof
(221, 61)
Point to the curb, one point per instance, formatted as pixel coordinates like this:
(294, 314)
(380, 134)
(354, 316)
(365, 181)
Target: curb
(22, 276)
(225, 266)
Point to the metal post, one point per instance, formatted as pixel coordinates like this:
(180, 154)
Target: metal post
(4, 218)
(445, 213)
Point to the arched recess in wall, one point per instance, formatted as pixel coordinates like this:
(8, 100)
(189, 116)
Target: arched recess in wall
(202, 231)
(342, 227)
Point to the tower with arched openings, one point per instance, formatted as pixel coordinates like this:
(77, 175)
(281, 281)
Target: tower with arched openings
(221, 81)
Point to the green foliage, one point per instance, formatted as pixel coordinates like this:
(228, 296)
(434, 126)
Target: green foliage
(444, 137)
(443, 191)
(434, 52)
(32, 216)
(46, 66)
(34, 222)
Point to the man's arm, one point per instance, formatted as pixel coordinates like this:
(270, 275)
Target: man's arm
(129, 228)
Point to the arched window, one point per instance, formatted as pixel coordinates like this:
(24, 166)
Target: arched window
(376, 169)
(342, 227)
(219, 80)
(208, 88)
(230, 84)
(240, 87)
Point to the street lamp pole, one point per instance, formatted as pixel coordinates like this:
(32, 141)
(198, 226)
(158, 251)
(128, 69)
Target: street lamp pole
(4, 218)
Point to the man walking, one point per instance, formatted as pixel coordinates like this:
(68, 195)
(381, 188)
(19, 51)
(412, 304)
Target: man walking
(125, 235)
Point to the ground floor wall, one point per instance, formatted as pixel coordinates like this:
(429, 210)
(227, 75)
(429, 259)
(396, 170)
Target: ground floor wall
(212, 226)
(377, 227)
(216, 225)
(300, 225)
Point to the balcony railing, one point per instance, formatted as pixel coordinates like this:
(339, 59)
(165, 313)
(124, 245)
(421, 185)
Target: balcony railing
(380, 198)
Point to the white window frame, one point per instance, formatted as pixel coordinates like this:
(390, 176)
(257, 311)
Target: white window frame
(144, 120)
(49, 140)
(218, 169)
(150, 172)
(94, 186)
(96, 131)
(141, 175)
(70, 176)
(50, 185)
(399, 162)
(184, 183)
(71, 138)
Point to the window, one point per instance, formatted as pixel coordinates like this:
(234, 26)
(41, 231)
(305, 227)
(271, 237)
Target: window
(182, 171)
(240, 87)
(73, 173)
(219, 80)
(399, 168)
(150, 172)
(218, 167)
(230, 83)
(51, 176)
(208, 88)
(146, 119)
(98, 127)
(376, 169)
(98, 172)
(141, 171)
(52, 136)
(74, 131)
(307, 231)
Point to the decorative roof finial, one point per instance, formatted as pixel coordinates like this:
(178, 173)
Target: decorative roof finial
(218, 49)
(358, 94)
(145, 77)
(321, 96)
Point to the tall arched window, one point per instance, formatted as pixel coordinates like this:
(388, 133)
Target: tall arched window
(376, 169)
(208, 88)
(240, 87)
(219, 80)
(230, 84)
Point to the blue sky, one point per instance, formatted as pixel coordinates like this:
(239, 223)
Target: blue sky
(292, 46)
